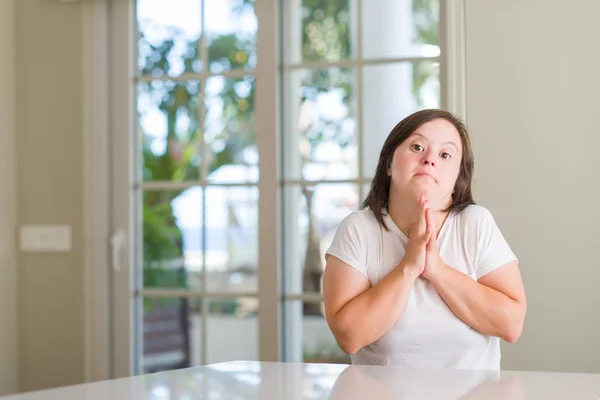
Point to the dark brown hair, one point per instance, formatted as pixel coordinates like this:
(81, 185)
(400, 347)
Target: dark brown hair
(378, 197)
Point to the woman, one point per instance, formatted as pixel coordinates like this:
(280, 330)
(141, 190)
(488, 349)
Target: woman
(421, 276)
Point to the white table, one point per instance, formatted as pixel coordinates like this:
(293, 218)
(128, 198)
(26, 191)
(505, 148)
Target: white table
(260, 380)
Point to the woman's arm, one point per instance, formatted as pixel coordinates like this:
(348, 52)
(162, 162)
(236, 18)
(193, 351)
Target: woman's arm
(495, 305)
(357, 314)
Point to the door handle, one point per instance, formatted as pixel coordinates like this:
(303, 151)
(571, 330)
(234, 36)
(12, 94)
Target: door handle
(117, 241)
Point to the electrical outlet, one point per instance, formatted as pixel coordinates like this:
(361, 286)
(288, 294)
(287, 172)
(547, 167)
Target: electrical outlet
(45, 238)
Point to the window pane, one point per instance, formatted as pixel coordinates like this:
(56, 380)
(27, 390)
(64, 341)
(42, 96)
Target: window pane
(390, 93)
(312, 215)
(231, 238)
(400, 28)
(172, 239)
(168, 137)
(232, 330)
(308, 337)
(169, 334)
(169, 32)
(320, 125)
(231, 35)
(230, 130)
(177, 242)
(318, 30)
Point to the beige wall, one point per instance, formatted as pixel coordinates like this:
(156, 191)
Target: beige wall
(8, 267)
(49, 188)
(533, 111)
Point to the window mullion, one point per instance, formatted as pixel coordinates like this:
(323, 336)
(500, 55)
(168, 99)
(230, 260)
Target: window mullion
(267, 112)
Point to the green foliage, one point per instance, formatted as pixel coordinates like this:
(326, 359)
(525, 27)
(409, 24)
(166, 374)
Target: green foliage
(223, 307)
(229, 52)
(161, 229)
(326, 37)
(320, 81)
(326, 30)
(238, 117)
(426, 14)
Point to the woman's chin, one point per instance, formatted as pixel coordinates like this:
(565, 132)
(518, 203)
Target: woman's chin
(422, 188)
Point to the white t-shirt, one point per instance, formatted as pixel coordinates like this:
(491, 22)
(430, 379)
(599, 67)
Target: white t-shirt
(427, 334)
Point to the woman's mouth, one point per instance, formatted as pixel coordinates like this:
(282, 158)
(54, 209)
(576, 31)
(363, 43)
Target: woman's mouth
(426, 175)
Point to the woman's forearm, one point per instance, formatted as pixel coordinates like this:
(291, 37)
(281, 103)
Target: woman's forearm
(483, 308)
(371, 314)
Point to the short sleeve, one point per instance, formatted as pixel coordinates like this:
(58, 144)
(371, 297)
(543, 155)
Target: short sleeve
(349, 243)
(494, 251)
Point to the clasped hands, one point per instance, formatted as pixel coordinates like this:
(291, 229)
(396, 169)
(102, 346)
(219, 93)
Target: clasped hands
(422, 256)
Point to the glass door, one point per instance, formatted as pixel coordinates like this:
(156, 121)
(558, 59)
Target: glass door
(242, 133)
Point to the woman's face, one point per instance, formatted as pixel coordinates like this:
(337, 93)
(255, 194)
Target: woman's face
(427, 163)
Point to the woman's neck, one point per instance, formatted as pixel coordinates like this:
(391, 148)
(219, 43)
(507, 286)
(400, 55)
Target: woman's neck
(404, 211)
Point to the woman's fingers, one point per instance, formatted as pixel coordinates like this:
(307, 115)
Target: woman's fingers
(421, 222)
(431, 228)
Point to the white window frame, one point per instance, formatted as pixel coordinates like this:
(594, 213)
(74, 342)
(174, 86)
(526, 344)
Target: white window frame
(97, 321)
(109, 111)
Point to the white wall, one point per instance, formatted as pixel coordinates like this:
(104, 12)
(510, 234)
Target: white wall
(8, 267)
(533, 108)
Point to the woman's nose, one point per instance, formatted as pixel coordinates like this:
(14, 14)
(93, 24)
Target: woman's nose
(428, 160)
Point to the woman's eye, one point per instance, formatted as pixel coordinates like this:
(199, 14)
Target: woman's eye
(445, 156)
(417, 147)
